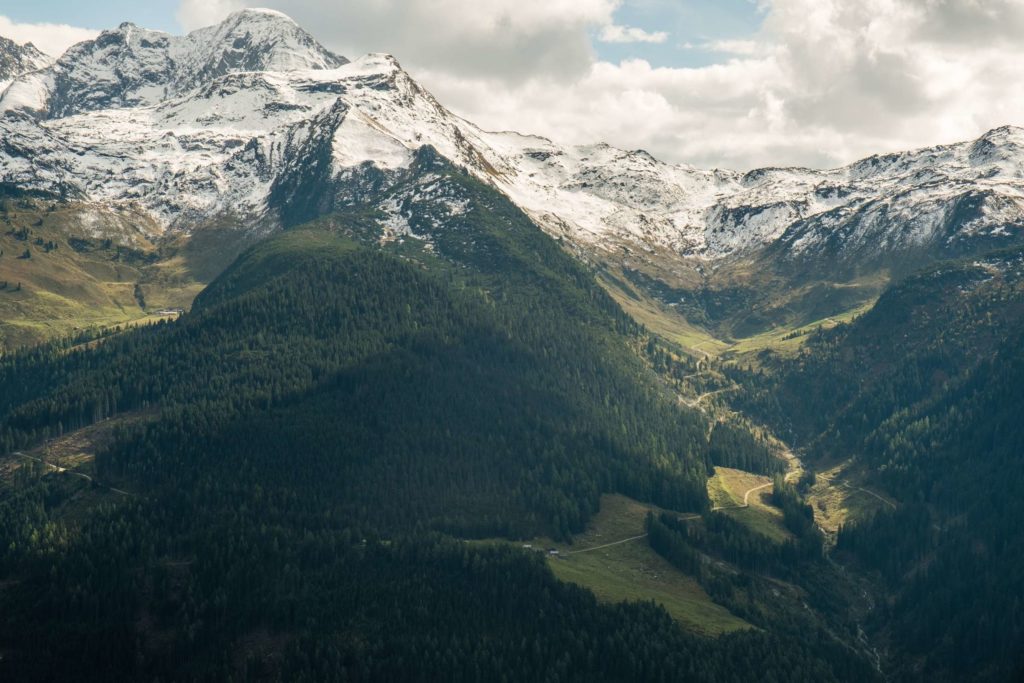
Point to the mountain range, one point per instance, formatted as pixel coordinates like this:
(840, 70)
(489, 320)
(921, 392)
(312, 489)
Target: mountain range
(221, 126)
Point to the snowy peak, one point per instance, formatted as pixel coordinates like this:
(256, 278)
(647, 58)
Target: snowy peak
(1002, 149)
(131, 67)
(257, 40)
(16, 60)
(254, 148)
(122, 67)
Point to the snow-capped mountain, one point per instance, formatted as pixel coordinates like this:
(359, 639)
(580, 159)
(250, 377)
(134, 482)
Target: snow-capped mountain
(16, 60)
(610, 198)
(245, 121)
(130, 66)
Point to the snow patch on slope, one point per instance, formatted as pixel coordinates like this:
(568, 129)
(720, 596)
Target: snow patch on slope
(360, 139)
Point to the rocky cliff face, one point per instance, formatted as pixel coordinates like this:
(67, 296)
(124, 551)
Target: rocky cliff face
(16, 60)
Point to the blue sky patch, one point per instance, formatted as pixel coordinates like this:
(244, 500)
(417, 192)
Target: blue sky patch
(691, 24)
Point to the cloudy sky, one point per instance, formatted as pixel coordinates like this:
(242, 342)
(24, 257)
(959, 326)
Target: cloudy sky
(729, 83)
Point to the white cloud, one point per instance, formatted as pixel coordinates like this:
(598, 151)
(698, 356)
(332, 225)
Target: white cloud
(884, 73)
(512, 40)
(613, 33)
(53, 39)
(746, 48)
(193, 14)
(824, 82)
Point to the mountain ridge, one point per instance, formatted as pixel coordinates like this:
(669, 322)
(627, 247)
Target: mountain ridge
(16, 60)
(131, 66)
(223, 121)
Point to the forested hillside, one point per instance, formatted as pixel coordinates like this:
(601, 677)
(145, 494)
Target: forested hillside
(301, 457)
(924, 392)
(488, 366)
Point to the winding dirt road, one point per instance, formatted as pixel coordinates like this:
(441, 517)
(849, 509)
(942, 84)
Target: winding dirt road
(746, 499)
(695, 403)
(870, 493)
(606, 545)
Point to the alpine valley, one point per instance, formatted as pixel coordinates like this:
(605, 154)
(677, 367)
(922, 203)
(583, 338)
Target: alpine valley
(304, 377)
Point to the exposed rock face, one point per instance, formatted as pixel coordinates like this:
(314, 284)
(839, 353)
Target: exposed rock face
(16, 60)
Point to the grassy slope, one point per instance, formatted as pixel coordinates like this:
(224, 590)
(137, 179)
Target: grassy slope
(793, 313)
(839, 497)
(61, 291)
(727, 489)
(102, 261)
(632, 571)
(787, 340)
